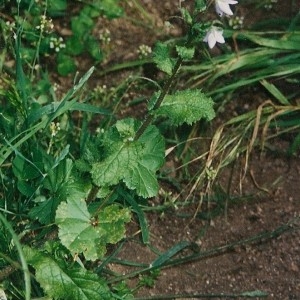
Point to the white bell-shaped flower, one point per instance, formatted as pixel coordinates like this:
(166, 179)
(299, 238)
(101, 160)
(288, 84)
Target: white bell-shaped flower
(214, 35)
(222, 7)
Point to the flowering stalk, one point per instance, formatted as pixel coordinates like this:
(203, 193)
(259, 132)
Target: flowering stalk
(213, 36)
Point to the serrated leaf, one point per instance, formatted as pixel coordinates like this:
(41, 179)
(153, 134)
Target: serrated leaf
(143, 180)
(111, 220)
(186, 16)
(134, 162)
(185, 53)
(162, 58)
(60, 282)
(115, 167)
(126, 128)
(187, 106)
(153, 148)
(81, 233)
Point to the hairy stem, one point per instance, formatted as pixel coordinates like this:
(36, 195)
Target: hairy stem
(160, 99)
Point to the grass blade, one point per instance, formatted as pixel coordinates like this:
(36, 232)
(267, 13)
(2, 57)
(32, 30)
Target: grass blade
(159, 262)
(141, 216)
(271, 88)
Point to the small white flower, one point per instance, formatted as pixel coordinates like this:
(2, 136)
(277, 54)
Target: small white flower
(213, 36)
(56, 43)
(222, 7)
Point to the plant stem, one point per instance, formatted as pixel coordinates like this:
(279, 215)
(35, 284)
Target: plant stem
(21, 254)
(160, 99)
(253, 294)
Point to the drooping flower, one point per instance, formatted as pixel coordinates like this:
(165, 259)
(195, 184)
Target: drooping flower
(222, 7)
(214, 35)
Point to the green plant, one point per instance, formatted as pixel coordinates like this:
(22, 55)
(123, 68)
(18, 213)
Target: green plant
(67, 194)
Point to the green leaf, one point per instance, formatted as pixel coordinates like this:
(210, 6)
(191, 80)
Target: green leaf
(200, 5)
(187, 106)
(127, 128)
(24, 169)
(110, 8)
(143, 180)
(81, 233)
(162, 58)
(275, 92)
(56, 7)
(116, 166)
(185, 53)
(74, 45)
(81, 25)
(61, 282)
(25, 188)
(94, 49)
(254, 294)
(154, 148)
(166, 256)
(186, 16)
(140, 213)
(65, 65)
(134, 162)
(62, 182)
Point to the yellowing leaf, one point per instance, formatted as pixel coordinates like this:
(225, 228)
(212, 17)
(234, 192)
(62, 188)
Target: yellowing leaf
(81, 233)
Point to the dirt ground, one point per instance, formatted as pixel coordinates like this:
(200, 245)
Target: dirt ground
(271, 263)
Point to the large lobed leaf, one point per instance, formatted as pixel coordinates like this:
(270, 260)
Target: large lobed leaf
(187, 106)
(130, 161)
(60, 282)
(81, 233)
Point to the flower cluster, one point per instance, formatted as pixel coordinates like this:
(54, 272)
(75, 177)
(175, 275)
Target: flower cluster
(57, 43)
(215, 34)
(46, 25)
(269, 4)
(54, 128)
(105, 36)
(236, 22)
(99, 91)
(10, 25)
(144, 51)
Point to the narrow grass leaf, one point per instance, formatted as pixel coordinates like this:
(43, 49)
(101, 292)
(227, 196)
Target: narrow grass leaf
(271, 88)
(295, 145)
(253, 294)
(90, 108)
(141, 216)
(162, 259)
(288, 41)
